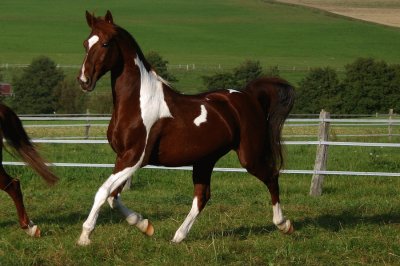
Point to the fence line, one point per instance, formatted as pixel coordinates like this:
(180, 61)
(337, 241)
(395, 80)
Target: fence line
(319, 167)
(316, 142)
(217, 169)
(184, 67)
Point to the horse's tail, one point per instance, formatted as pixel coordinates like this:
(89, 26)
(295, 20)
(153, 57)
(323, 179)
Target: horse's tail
(276, 98)
(12, 130)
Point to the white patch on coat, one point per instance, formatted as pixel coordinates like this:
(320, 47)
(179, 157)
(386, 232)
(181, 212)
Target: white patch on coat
(234, 91)
(92, 41)
(202, 118)
(184, 229)
(152, 103)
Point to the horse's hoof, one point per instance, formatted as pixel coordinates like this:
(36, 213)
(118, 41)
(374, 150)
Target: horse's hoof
(38, 232)
(150, 229)
(289, 229)
(32, 230)
(83, 242)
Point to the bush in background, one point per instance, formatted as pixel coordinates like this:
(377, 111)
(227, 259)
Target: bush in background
(33, 90)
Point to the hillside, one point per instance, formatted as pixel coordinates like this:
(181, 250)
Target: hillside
(208, 34)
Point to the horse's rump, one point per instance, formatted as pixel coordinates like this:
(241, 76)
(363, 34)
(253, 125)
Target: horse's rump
(276, 98)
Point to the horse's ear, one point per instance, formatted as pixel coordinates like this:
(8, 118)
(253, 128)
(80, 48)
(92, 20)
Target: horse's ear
(109, 17)
(90, 19)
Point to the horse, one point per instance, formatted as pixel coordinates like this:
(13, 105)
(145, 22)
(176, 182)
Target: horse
(153, 124)
(11, 129)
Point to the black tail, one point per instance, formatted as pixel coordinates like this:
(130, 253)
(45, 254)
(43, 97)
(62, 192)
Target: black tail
(276, 97)
(12, 130)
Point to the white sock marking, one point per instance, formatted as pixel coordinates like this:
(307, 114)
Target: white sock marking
(184, 229)
(92, 41)
(102, 194)
(202, 118)
(278, 215)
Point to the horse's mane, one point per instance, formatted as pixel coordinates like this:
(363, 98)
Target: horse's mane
(113, 30)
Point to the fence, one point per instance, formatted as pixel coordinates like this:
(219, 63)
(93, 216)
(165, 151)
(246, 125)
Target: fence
(185, 67)
(324, 122)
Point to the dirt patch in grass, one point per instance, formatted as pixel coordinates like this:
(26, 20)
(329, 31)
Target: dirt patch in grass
(385, 12)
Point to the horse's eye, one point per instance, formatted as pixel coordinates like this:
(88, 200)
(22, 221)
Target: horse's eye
(105, 44)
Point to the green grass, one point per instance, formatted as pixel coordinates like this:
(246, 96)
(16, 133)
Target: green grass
(201, 33)
(355, 221)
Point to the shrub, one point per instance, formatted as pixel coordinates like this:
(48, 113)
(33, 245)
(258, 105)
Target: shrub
(33, 90)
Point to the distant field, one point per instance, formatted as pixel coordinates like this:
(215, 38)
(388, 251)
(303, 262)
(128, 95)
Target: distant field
(203, 33)
(386, 12)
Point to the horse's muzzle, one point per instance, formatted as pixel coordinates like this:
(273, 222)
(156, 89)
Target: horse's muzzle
(86, 84)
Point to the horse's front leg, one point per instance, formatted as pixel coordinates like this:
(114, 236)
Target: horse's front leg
(125, 167)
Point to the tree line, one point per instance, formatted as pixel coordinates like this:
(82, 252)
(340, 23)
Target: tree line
(365, 86)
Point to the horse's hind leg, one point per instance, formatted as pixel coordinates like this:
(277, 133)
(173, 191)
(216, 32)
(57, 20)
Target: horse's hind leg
(13, 188)
(268, 174)
(201, 180)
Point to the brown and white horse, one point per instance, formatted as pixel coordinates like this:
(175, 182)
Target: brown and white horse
(11, 129)
(153, 124)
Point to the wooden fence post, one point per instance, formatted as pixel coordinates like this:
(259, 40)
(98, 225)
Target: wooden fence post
(322, 155)
(390, 129)
(87, 127)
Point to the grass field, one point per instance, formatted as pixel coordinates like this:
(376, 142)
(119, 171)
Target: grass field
(355, 221)
(206, 33)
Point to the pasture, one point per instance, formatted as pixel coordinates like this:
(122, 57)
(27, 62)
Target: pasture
(208, 34)
(355, 221)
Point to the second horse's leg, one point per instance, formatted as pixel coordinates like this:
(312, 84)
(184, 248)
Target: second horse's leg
(13, 188)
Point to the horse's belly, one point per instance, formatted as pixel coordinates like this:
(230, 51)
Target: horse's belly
(188, 147)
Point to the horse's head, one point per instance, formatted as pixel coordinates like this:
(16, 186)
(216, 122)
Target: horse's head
(101, 50)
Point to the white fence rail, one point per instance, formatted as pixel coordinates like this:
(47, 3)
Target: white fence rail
(322, 142)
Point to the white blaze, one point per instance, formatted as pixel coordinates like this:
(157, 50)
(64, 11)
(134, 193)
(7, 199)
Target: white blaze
(92, 41)
(202, 117)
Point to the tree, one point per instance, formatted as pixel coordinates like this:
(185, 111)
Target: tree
(237, 79)
(273, 71)
(33, 90)
(69, 98)
(320, 89)
(160, 65)
(219, 81)
(246, 72)
(101, 102)
(370, 86)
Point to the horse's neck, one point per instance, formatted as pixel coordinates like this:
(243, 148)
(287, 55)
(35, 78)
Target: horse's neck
(135, 85)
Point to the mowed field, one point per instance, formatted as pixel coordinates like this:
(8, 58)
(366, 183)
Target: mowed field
(208, 34)
(386, 12)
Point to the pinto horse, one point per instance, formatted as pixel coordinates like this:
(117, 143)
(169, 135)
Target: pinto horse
(11, 129)
(153, 124)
